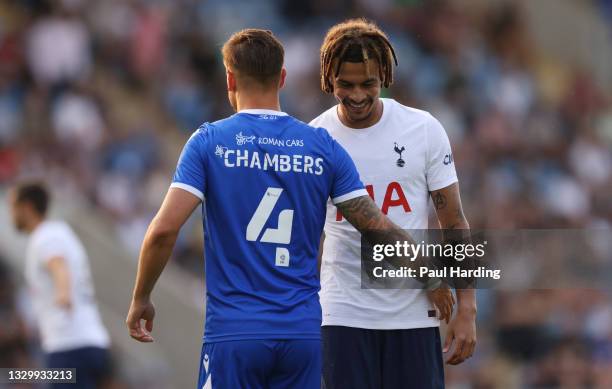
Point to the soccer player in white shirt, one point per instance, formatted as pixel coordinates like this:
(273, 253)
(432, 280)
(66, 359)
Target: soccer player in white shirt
(384, 338)
(58, 276)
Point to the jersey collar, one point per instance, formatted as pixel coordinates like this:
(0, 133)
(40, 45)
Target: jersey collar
(360, 132)
(263, 112)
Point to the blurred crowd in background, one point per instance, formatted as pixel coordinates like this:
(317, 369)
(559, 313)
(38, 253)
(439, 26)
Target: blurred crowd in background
(98, 97)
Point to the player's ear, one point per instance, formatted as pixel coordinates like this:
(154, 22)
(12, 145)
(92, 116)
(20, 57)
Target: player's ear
(281, 82)
(231, 81)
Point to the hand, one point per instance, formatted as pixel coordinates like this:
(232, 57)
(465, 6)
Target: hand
(443, 299)
(64, 301)
(141, 310)
(462, 332)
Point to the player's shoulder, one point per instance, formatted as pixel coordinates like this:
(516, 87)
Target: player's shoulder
(51, 226)
(326, 118)
(310, 129)
(222, 123)
(415, 118)
(200, 135)
(202, 129)
(407, 113)
(209, 128)
(51, 230)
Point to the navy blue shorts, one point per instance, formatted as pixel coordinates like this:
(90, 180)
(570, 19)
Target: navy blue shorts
(356, 358)
(92, 364)
(261, 364)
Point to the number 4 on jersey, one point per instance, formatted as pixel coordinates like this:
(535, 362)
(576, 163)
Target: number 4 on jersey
(281, 234)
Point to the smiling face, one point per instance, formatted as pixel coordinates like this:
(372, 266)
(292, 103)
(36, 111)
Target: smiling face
(357, 89)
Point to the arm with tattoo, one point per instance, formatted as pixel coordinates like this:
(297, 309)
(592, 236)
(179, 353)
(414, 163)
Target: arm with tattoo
(453, 222)
(462, 328)
(449, 210)
(376, 228)
(363, 213)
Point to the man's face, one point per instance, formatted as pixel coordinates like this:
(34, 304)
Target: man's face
(18, 212)
(357, 89)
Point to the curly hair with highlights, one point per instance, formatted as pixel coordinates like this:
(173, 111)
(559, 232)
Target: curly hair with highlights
(355, 40)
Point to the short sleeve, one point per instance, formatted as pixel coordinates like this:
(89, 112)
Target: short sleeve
(347, 185)
(440, 170)
(50, 247)
(190, 174)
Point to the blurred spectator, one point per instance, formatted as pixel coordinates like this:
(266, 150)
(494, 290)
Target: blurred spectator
(59, 48)
(147, 46)
(77, 120)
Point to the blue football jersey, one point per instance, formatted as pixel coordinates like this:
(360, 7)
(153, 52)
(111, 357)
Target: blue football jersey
(265, 178)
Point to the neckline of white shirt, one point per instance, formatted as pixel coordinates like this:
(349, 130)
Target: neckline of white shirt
(255, 111)
(41, 226)
(366, 130)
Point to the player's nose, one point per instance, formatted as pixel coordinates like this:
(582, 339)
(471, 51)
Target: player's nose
(358, 96)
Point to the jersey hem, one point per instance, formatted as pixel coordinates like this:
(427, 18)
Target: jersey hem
(228, 338)
(56, 347)
(186, 187)
(379, 325)
(350, 196)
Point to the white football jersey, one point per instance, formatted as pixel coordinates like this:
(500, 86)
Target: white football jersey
(61, 329)
(400, 159)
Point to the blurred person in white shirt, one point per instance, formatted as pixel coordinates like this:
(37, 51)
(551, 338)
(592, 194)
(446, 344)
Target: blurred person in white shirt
(58, 276)
(59, 49)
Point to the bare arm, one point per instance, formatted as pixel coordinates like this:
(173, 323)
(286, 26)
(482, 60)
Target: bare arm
(363, 213)
(449, 210)
(154, 254)
(377, 228)
(60, 274)
(447, 202)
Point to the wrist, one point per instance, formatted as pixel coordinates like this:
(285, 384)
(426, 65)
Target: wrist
(141, 297)
(467, 309)
(432, 284)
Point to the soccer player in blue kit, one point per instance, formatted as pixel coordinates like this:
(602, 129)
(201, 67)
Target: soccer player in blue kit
(266, 178)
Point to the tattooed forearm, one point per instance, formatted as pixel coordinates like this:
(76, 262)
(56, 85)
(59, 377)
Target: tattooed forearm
(447, 203)
(439, 200)
(376, 228)
(363, 214)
